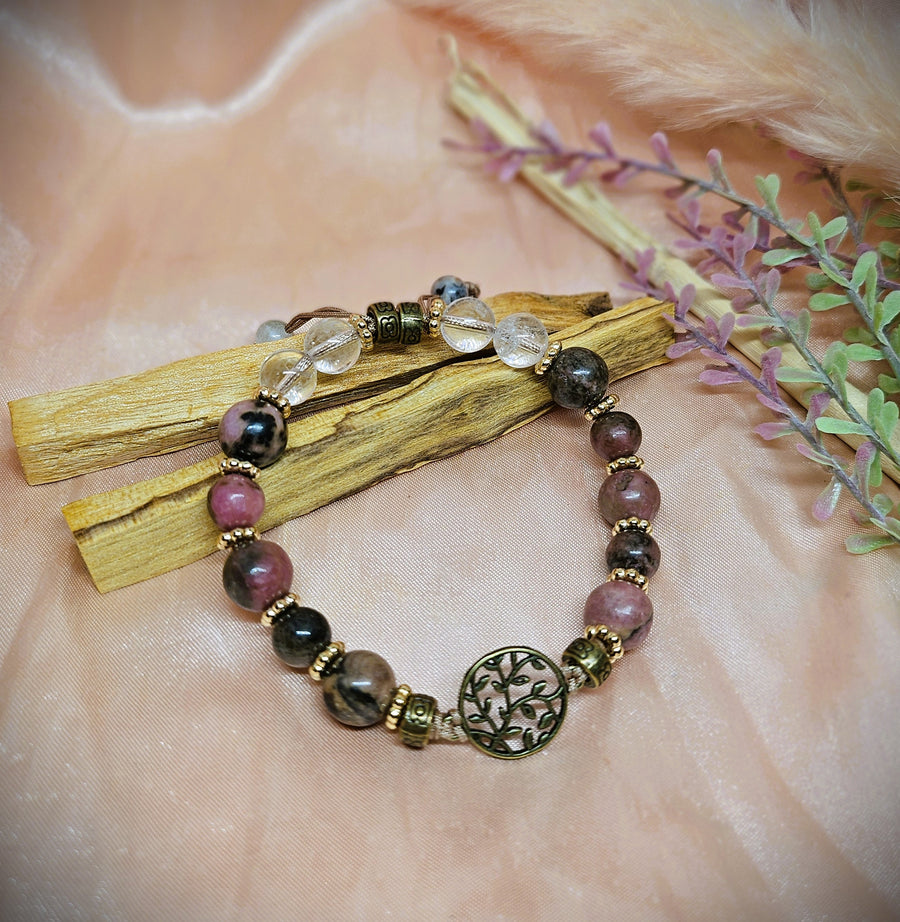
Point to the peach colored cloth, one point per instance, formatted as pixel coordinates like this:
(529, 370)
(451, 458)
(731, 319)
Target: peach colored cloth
(170, 176)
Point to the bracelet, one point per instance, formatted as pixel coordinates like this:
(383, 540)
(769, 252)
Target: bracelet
(513, 700)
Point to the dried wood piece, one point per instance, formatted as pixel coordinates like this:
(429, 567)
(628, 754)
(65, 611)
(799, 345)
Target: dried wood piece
(95, 426)
(149, 528)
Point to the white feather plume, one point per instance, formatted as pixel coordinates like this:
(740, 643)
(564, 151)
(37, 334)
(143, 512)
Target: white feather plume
(821, 75)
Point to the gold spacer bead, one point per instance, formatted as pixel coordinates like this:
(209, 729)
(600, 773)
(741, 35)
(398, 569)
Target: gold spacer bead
(233, 466)
(609, 402)
(553, 350)
(236, 537)
(277, 401)
(629, 576)
(608, 638)
(327, 661)
(397, 706)
(277, 609)
(363, 331)
(631, 462)
(633, 523)
(433, 309)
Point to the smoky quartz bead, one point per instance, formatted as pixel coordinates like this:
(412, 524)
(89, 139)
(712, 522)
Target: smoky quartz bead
(359, 692)
(633, 549)
(577, 378)
(300, 635)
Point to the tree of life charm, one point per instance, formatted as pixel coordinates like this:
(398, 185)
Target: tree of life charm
(512, 702)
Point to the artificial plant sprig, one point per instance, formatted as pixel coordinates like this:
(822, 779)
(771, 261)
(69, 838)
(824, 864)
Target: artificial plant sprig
(867, 282)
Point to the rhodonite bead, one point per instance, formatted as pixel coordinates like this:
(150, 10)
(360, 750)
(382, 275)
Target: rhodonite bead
(254, 431)
(359, 692)
(235, 501)
(615, 435)
(633, 549)
(577, 378)
(257, 574)
(300, 635)
(624, 608)
(627, 493)
(449, 288)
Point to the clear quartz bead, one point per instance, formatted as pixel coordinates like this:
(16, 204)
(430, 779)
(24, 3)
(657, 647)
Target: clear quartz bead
(271, 331)
(467, 325)
(521, 340)
(290, 373)
(332, 344)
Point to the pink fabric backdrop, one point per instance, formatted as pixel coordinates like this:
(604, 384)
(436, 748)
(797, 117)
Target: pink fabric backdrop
(170, 176)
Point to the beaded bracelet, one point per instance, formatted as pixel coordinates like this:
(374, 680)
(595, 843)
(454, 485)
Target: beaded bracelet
(512, 701)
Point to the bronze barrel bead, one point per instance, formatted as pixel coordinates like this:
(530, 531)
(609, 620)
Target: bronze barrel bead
(387, 322)
(412, 322)
(415, 722)
(590, 655)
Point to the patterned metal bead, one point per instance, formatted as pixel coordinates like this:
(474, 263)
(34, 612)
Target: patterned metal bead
(629, 575)
(235, 466)
(632, 462)
(277, 401)
(592, 656)
(236, 537)
(608, 638)
(633, 523)
(327, 661)
(412, 322)
(278, 608)
(363, 330)
(386, 321)
(397, 706)
(608, 403)
(417, 720)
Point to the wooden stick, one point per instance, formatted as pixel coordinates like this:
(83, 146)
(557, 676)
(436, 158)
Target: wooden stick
(149, 528)
(96, 426)
(473, 95)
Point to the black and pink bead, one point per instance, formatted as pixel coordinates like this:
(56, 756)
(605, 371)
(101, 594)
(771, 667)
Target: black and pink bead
(628, 498)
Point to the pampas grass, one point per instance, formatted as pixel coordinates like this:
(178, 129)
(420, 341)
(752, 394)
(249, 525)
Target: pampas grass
(821, 75)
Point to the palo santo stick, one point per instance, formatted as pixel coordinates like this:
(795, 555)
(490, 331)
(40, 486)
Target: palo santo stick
(149, 528)
(474, 95)
(100, 425)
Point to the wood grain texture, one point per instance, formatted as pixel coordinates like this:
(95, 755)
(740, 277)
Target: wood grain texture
(95, 426)
(149, 528)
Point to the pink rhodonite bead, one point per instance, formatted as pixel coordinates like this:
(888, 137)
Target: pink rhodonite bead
(257, 574)
(235, 501)
(623, 608)
(628, 493)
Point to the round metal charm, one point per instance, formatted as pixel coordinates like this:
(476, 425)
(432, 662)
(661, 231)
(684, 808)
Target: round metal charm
(512, 702)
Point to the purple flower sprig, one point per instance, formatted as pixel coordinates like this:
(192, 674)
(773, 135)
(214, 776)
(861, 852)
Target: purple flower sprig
(711, 339)
(864, 276)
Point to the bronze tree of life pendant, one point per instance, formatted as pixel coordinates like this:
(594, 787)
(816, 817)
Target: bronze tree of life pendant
(512, 702)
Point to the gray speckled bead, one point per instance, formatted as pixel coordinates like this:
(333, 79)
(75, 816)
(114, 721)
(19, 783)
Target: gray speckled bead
(254, 431)
(358, 693)
(577, 378)
(449, 288)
